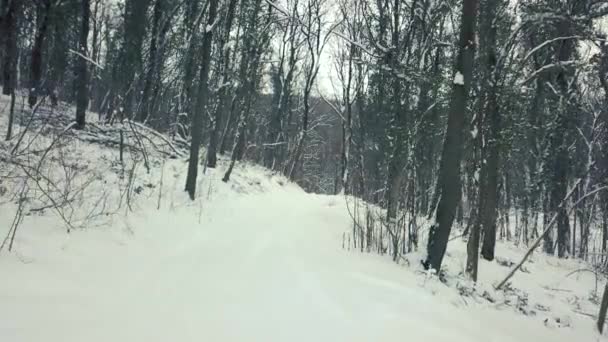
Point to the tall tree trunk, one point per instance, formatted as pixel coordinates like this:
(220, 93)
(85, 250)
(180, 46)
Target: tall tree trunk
(277, 134)
(490, 197)
(449, 172)
(560, 145)
(487, 177)
(603, 308)
(143, 111)
(249, 75)
(82, 77)
(603, 155)
(130, 61)
(4, 7)
(190, 28)
(42, 20)
(8, 42)
(201, 101)
(224, 84)
(347, 128)
(398, 132)
(492, 114)
(97, 16)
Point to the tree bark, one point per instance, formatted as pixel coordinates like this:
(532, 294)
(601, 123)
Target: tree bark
(131, 53)
(492, 114)
(223, 91)
(143, 112)
(560, 144)
(82, 77)
(8, 42)
(36, 60)
(449, 172)
(201, 101)
(603, 308)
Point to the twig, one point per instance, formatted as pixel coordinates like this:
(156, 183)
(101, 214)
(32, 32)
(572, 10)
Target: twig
(16, 220)
(86, 58)
(27, 126)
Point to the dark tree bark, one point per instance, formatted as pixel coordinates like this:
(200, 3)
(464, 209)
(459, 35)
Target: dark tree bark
(201, 101)
(449, 172)
(11, 116)
(488, 210)
(398, 154)
(276, 137)
(131, 53)
(603, 308)
(62, 21)
(82, 76)
(4, 5)
(477, 196)
(603, 155)
(249, 77)
(314, 43)
(143, 111)
(42, 19)
(559, 143)
(223, 91)
(8, 42)
(193, 17)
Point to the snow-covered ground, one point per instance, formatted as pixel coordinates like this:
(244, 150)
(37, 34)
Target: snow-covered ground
(258, 259)
(265, 263)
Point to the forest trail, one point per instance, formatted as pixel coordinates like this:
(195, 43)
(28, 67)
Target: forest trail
(262, 266)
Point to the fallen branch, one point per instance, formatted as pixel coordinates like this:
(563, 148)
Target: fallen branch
(548, 229)
(158, 135)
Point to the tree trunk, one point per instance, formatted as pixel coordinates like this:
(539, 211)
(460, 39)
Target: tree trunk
(488, 163)
(42, 20)
(398, 132)
(449, 172)
(603, 308)
(347, 127)
(488, 218)
(82, 77)
(201, 102)
(11, 116)
(248, 77)
(143, 112)
(130, 61)
(224, 83)
(8, 42)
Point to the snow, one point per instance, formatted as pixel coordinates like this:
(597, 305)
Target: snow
(459, 78)
(264, 264)
(474, 132)
(258, 259)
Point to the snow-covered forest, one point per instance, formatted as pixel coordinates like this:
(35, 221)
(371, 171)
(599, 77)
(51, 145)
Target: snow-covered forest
(272, 170)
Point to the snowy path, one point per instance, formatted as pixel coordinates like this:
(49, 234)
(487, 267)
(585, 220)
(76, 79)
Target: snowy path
(260, 267)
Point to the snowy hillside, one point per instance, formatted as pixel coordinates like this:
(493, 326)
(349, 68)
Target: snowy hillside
(258, 259)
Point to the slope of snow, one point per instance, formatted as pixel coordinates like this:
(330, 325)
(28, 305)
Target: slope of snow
(258, 259)
(265, 263)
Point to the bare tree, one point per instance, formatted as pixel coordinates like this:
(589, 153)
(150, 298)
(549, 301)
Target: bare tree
(449, 172)
(316, 36)
(43, 10)
(82, 76)
(202, 100)
(222, 94)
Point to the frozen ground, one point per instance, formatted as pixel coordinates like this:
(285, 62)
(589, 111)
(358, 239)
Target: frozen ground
(258, 259)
